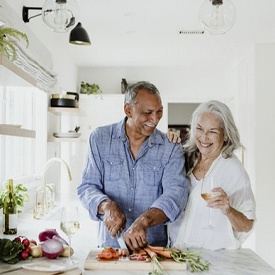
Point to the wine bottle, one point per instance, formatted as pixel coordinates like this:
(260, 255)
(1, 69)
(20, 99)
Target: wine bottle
(9, 212)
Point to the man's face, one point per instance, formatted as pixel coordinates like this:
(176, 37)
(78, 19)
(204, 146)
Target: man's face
(145, 115)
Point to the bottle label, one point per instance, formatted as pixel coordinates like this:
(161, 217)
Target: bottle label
(13, 221)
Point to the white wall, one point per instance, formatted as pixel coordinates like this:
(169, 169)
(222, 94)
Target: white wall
(265, 150)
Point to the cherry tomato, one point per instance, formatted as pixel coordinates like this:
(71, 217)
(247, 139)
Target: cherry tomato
(18, 239)
(28, 249)
(26, 242)
(24, 255)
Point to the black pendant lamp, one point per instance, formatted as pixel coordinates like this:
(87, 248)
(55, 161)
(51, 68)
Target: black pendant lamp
(79, 36)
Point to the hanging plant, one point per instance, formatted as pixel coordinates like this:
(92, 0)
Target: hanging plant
(6, 47)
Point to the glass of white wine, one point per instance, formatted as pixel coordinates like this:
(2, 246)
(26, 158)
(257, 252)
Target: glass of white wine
(207, 194)
(69, 224)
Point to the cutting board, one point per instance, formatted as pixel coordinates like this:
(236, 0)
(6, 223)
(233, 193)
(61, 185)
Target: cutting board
(125, 264)
(20, 271)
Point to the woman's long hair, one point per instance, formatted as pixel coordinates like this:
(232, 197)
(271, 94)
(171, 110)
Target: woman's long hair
(222, 111)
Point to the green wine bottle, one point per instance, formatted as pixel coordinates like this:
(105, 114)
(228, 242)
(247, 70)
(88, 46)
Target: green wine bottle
(9, 212)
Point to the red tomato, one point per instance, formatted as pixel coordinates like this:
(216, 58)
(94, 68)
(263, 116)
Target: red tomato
(26, 242)
(18, 239)
(28, 249)
(107, 254)
(24, 255)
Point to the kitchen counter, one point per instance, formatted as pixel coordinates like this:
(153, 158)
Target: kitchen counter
(223, 262)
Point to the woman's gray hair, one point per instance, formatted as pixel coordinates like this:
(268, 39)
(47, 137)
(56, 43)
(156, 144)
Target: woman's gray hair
(132, 91)
(222, 111)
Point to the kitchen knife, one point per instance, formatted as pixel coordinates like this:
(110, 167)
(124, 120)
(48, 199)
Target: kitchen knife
(122, 243)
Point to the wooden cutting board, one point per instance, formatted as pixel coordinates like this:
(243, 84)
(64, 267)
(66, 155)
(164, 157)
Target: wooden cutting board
(125, 264)
(20, 271)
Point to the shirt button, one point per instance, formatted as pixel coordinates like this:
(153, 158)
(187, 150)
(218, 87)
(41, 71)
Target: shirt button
(130, 209)
(132, 188)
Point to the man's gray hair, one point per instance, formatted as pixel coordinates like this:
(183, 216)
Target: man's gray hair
(132, 91)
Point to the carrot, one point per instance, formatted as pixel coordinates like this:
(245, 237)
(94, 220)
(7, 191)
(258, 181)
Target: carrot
(151, 253)
(165, 253)
(155, 248)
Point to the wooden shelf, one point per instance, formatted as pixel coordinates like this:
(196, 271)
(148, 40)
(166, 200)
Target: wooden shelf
(13, 130)
(54, 139)
(60, 110)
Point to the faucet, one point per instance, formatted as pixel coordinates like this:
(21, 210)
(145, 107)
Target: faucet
(43, 192)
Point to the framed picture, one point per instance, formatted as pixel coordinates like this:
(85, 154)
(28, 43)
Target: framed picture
(181, 130)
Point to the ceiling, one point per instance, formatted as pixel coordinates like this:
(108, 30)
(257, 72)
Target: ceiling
(134, 33)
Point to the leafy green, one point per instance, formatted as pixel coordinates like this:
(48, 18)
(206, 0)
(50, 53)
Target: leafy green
(193, 259)
(10, 250)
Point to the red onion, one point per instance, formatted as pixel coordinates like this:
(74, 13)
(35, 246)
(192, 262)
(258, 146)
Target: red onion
(58, 238)
(47, 234)
(52, 248)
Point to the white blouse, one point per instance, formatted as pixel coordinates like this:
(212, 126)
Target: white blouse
(189, 229)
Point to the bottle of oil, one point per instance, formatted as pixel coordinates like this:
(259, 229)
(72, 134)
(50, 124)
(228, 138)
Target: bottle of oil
(9, 212)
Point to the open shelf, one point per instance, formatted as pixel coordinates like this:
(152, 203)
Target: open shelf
(13, 130)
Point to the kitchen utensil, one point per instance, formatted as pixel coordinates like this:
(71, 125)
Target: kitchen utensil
(63, 102)
(121, 242)
(65, 96)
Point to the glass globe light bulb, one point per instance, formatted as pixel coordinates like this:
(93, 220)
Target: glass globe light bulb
(60, 15)
(217, 16)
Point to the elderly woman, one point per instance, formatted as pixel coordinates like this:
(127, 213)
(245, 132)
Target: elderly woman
(210, 153)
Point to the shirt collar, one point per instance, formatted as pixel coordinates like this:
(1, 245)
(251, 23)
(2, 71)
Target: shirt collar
(155, 138)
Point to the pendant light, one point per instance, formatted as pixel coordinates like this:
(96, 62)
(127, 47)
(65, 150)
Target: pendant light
(79, 36)
(60, 15)
(217, 16)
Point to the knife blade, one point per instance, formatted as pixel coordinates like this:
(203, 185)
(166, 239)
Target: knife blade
(122, 243)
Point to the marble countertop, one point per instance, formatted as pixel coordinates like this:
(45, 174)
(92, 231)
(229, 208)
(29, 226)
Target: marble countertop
(223, 262)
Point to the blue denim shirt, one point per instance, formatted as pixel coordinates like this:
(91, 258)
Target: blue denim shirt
(156, 178)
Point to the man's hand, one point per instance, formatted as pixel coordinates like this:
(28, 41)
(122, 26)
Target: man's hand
(114, 219)
(173, 137)
(136, 235)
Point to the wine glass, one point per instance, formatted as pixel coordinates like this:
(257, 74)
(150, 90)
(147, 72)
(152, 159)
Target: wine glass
(207, 194)
(69, 224)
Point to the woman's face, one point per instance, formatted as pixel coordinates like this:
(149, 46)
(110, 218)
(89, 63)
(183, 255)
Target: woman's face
(209, 135)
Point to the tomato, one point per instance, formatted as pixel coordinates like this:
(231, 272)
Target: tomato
(24, 255)
(26, 242)
(28, 249)
(18, 239)
(107, 254)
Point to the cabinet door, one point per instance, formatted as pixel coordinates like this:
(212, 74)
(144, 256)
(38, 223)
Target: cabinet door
(100, 110)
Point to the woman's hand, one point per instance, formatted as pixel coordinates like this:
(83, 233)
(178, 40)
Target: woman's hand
(238, 220)
(221, 201)
(173, 137)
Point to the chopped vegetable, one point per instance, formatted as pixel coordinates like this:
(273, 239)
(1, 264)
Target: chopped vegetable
(192, 258)
(108, 253)
(157, 267)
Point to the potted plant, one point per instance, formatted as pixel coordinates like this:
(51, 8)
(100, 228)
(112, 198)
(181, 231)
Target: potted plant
(20, 195)
(6, 47)
(87, 88)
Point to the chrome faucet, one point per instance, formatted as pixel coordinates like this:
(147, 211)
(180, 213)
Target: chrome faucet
(44, 193)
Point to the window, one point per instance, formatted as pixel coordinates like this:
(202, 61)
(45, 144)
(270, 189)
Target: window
(22, 105)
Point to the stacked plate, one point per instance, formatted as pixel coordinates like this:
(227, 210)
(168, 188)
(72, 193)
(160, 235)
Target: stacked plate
(67, 135)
